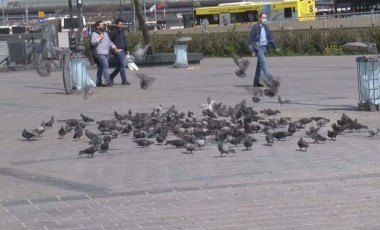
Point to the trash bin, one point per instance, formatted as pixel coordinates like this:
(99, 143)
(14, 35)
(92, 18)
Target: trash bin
(368, 83)
(180, 51)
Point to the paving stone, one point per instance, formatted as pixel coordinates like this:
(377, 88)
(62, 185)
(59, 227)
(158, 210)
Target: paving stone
(334, 185)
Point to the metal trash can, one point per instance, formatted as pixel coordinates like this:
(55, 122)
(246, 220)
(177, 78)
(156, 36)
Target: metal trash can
(180, 51)
(368, 83)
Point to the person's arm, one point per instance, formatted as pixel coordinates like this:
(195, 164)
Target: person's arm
(96, 38)
(270, 38)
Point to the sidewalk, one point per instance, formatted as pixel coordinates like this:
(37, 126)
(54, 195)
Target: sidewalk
(45, 185)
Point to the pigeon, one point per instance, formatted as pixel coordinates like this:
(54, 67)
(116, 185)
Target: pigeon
(322, 121)
(61, 132)
(89, 151)
(256, 99)
(86, 118)
(68, 128)
(373, 132)
(269, 138)
(160, 138)
(143, 142)
(305, 120)
(145, 81)
(200, 143)
(127, 129)
(274, 87)
(317, 137)
(90, 135)
(302, 144)
(270, 112)
(78, 133)
(39, 130)
(209, 113)
(189, 147)
(332, 134)
(107, 139)
(248, 143)
(281, 135)
(27, 135)
(140, 51)
(104, 147)
(177, 142)
(224, 150)
(283, 101)
(242, 64)
(49, 123)
(119, 117)
(292, 127)
(114, 133)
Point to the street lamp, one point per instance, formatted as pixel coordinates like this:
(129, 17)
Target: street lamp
(26, 13)
(3, 14)
(120, 9)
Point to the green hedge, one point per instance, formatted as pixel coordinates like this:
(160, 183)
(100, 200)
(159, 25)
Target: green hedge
(290, 42)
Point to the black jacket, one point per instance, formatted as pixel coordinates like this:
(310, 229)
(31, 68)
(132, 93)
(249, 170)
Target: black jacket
(115, 37)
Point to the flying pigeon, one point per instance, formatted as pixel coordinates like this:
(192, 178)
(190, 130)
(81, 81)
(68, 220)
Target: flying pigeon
(145, 81)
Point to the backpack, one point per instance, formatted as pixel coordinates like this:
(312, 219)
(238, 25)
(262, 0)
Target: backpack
(93, 56)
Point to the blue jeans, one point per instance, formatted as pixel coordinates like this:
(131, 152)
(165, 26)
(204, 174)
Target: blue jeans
(102, 69)
(121, 64)
(261, 65)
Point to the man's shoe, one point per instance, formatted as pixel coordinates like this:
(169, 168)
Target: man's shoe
(109, 84)
(258, 85)
(100, 85)
(125, 82)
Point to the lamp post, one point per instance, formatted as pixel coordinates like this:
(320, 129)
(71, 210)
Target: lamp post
(3, 14)
(120, 9)
(26, 13)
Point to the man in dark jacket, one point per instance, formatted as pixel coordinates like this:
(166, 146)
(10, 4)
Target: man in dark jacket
(260, 39)
(117, 36)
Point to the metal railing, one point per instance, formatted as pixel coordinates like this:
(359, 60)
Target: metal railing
(362, 19)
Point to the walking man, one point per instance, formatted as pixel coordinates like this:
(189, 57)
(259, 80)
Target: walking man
(260, 38)
(117, 36)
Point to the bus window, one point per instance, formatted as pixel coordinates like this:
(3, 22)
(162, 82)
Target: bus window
(287, 12)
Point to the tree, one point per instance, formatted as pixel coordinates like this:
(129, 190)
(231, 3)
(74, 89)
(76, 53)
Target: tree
(142, 23)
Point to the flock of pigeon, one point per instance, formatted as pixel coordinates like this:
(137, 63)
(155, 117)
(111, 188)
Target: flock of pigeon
(226, 126)
(219, 124)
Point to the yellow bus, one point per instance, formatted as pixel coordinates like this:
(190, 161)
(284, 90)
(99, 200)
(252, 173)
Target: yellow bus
(248, 12)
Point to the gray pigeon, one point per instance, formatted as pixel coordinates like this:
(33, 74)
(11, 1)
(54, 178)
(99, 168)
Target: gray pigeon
(145, 81)
(373, 132)
(61, 132)
(39, 130)
(89, 151)
(78, 133)
(269, 138)
(248, 143)
(143, 142)
(189, 147)
(104, 147)
(90, 135)
(86, 118)
(302, 144)
(200, 143)
(243, 65)
(332, 134)
(283, 101)
(49, 123)
(224, 150)
(177, 142)
(27, 135)
(140, 51)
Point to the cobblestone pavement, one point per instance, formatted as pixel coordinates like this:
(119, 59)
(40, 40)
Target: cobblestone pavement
(45, 185)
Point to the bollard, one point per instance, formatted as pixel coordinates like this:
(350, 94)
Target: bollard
(368, 83)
